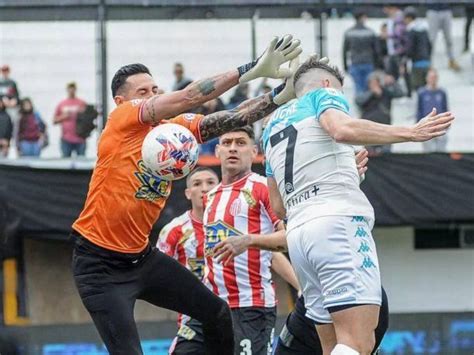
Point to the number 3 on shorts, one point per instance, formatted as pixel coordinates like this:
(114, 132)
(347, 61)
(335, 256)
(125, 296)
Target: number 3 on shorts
(246, 345)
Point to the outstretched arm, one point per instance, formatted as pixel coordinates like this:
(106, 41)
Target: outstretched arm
(342, 128)
(246, 113)
(166, 106)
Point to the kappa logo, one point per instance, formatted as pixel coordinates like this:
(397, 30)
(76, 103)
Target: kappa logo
(361, 232)
(364, 248)
(367, 263)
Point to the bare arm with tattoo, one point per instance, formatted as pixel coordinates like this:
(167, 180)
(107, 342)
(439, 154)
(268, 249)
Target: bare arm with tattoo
(246, 113)
(166, 106)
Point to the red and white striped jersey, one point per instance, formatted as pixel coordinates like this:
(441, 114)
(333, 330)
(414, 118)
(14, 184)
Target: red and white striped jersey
(242, 207)
(183, 240)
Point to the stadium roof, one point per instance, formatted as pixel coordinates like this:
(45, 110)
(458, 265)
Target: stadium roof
(67, 10)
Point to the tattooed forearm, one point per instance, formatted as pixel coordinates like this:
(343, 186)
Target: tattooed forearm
(204, 90)
(206, 86)
(150, 110)
(168, 105)
(246, 113)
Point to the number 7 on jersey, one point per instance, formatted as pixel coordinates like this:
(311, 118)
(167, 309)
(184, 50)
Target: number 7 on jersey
(291, 133)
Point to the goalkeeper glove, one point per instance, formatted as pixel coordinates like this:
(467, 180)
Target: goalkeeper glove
(268, 64)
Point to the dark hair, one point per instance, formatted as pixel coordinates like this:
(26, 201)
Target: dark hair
(358, 14)
(123, 73)
(314, 63)
(410, 12)
(22, 102)
(246, 129)
(199, 170)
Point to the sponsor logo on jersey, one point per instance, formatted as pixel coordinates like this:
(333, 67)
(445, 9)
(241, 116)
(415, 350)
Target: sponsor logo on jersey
(152, 187)
(336, 291)
(312, 191)
(136, 102)
(215, 233)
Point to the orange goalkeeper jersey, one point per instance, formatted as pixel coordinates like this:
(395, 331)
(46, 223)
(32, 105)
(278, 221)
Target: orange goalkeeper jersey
(124, 198)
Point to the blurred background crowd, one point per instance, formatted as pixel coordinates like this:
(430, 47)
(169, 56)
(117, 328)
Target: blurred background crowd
(389, 67)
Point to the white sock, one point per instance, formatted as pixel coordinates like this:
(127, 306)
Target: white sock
(341, 349)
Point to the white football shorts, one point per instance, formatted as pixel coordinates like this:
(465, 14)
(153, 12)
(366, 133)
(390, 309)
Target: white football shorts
(336, 263)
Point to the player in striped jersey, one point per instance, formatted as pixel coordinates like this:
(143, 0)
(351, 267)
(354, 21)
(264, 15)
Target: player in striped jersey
(183, 240)
(240, 205)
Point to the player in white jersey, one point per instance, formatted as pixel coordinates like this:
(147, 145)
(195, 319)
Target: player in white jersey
(313, 181)
(241, 205)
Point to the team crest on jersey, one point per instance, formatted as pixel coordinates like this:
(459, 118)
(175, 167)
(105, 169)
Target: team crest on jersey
(189, 117)
(152, 187)
(235, 207)
(217, 232)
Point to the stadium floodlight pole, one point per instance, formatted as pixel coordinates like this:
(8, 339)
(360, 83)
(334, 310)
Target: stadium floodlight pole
(320, 29)
(253, 24)
(102, 61)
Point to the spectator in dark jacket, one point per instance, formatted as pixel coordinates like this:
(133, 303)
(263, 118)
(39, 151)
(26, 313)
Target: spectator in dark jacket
(382, 50)
(6, 130)
(418, 48)
(376, 103)
(429, 97)
(31, 131)
(360, 48)
(467, 28)
(180, 80)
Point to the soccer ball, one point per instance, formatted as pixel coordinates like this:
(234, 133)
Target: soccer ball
(170, 151)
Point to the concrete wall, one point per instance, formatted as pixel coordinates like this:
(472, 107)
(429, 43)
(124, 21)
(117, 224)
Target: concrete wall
(52, 297)
(424, 280)
(415, 280)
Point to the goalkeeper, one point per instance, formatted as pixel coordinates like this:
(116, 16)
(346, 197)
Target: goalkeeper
(113, 262)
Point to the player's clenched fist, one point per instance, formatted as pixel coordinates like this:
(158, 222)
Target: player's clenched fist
(278, 52)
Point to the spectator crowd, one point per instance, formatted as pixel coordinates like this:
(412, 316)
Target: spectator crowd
(397, 62)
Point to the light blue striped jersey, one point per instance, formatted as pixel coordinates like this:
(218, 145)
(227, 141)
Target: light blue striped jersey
(316, 176)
